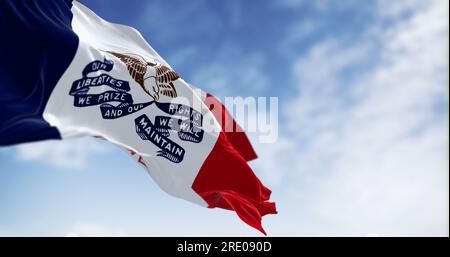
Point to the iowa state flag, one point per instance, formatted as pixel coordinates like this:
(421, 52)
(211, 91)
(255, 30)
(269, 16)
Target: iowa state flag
(65, 72)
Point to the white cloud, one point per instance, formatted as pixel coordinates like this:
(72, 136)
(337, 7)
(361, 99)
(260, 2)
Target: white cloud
(297, 33)
(372, 148)
(68, 153)
(396, 9)
(232, 72)
(86, 229)
(318, 5)
(271, 156)
(165, 20)
(182, 56)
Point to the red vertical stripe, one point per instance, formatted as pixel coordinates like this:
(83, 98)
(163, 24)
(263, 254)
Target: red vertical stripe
(237, 136)
(226, 181)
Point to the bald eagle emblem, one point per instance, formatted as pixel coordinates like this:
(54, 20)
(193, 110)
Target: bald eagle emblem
(141, 71)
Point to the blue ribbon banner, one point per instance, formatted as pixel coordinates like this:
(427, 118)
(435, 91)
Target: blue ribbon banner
(119, 93)
(187, 122)
(186, 129)
(106, 65)
(168, 149)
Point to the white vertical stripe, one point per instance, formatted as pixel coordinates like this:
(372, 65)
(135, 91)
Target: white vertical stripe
(97, 36)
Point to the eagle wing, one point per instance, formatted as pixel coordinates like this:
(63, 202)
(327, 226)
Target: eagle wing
(164, 77)
(136, 67)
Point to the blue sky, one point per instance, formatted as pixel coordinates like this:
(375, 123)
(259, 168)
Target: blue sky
(363, 123)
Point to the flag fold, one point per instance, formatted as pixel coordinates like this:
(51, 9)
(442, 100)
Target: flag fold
(65, 73)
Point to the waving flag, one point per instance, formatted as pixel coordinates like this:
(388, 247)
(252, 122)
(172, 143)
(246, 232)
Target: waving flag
(233, 132)
(65, 72)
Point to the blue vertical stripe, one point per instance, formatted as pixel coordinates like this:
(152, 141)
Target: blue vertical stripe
(37, 45)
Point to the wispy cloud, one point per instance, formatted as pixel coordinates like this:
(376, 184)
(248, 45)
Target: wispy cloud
(166, 19)
(372, 149)
(233, 73)
(89, 229)
(68, 153)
